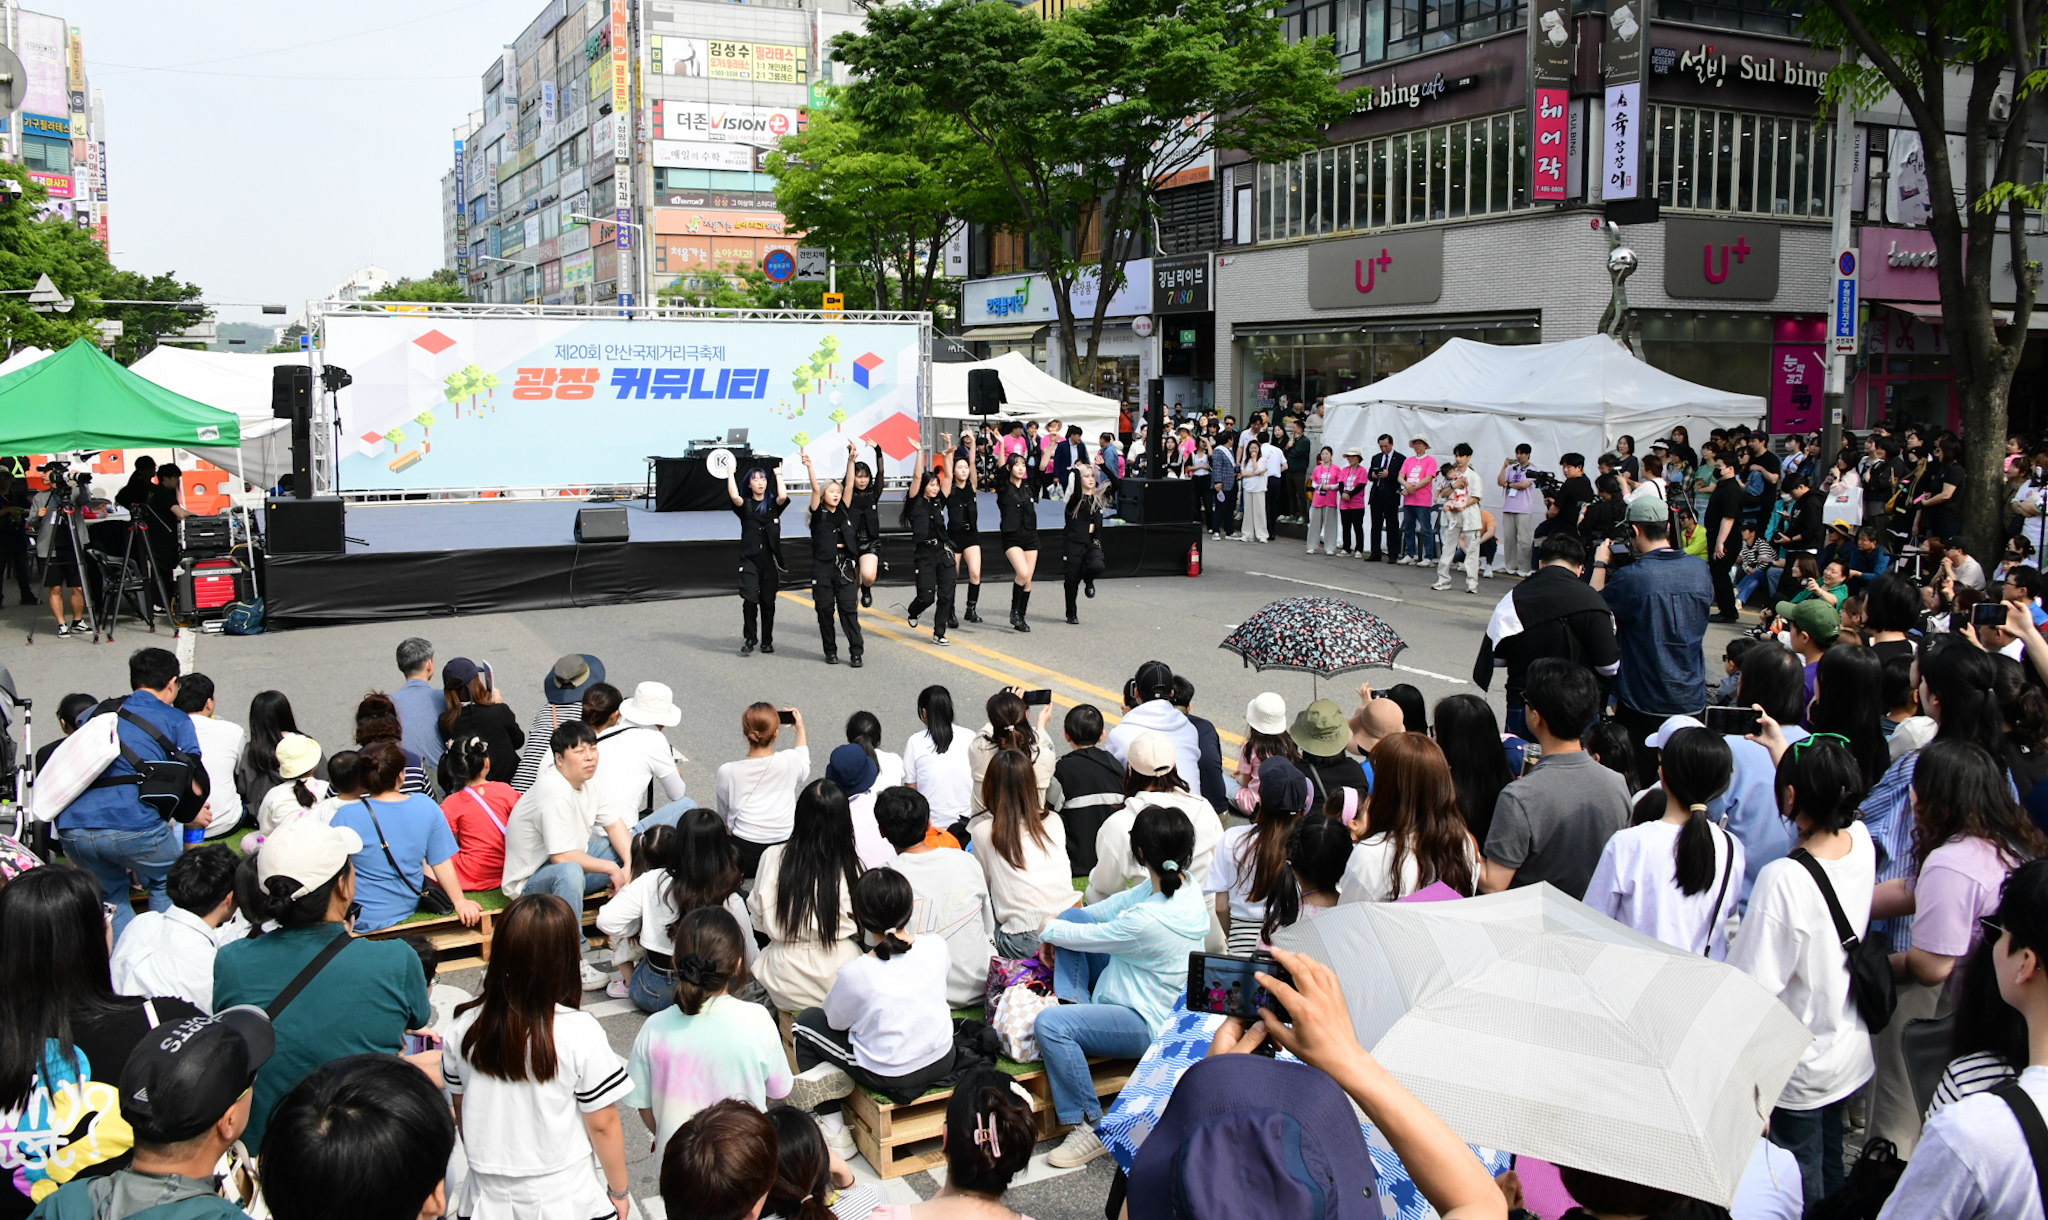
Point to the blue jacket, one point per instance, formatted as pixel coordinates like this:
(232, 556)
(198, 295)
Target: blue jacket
(1660, 604)
(120, 807)
(1148, 938)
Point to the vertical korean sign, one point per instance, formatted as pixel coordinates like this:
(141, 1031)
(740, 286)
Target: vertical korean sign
(622, 128)
(1621, 130)
(1550, 79)
(461, 213)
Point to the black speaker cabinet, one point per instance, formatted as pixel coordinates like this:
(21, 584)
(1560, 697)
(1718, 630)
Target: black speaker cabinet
(601, 525)
(1156, 501)
(311, 526)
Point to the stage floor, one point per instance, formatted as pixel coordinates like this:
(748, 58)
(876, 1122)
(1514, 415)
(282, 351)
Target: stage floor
(473, 525)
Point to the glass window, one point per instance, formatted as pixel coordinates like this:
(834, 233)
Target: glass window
(1348, 24)
(1745, 160)
(1344, 182)
(1781, 199)
(1458, 163)
(1418, 177)
(46, 156)
(1503, 160)
(1265, 203)
(1312, 195)
(1521, 159)
(1724, 162)
(1375, 33)
(1294, 198)
(1379, 183)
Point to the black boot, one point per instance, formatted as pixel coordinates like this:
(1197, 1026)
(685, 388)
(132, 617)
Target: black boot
(973, 597)
(867, 596)
(1016, 595)
(1023, 608)
(856, 662)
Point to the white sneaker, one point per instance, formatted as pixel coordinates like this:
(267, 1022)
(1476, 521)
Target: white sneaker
(1080, 1147)
(1311, 550)
(820, 1083)
(593, 978)
(840, 1141)
(1440, 586)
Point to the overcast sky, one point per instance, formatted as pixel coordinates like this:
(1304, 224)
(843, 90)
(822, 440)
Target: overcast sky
(266, 150)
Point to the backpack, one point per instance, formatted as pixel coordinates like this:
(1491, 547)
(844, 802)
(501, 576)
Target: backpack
(244, 618)
(1871, 1181)
(174, 787)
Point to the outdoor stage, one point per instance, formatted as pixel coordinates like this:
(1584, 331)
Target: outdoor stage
(429, 558)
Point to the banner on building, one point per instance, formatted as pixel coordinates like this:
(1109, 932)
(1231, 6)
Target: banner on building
(75, 60)
(716, 121)
(1550, 79)
(1621, 143)
(692, 154)
(491, 402)
(720, 59)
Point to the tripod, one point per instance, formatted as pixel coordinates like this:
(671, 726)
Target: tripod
(67, 523)
(154, 586)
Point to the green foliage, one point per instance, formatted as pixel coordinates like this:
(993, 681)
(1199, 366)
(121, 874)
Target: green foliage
(30, 248)
(144, 326)
(442, 285)
(744, 286)
(289, 341)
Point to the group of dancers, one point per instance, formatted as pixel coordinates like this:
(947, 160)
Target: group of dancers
(943, 518)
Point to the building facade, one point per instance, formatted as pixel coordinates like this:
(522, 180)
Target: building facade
(59, 134)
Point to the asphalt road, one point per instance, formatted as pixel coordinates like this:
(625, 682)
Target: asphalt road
(693, 646)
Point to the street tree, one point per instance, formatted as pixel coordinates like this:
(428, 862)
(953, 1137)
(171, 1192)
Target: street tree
(144, 326)
(31, 248)
(1926, 52)
(442, 285)
(1085, 117)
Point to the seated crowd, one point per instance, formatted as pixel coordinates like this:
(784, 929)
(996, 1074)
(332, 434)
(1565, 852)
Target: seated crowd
(864, 908)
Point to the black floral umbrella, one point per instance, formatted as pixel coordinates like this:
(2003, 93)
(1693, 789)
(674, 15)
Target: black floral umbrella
(1315, 635)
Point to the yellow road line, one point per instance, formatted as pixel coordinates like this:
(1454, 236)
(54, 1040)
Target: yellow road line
(919, 644)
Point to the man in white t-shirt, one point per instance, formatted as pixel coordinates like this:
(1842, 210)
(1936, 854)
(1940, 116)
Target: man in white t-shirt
(220, 747)
(1974, 1159)
(170, 953)
(951, 888)
(553, 841)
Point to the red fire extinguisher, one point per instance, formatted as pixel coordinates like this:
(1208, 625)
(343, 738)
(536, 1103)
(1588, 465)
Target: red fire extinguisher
(1194, 559)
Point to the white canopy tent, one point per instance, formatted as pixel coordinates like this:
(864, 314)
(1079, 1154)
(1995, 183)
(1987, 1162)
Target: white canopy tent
(1033, 394)
(22, 359)
(1577, 396)
(235, 382)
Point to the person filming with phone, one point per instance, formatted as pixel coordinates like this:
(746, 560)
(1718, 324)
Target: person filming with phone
(1660, 603)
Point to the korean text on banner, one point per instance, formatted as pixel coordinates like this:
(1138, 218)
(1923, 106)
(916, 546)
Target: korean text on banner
(1550, 72)
(494, 402)
(1621, 143)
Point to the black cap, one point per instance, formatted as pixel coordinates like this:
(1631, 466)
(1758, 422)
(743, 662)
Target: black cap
(181, 1078)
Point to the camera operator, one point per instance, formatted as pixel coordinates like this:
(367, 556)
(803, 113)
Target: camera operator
(1572, 495)
(1660, 605)
(58, 543)
(162, 512)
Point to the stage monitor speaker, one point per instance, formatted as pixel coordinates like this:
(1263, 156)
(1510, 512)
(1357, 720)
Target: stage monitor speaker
(601, 525)
(312, 526)
(291, 391)
(1156, 501)
(985, 394)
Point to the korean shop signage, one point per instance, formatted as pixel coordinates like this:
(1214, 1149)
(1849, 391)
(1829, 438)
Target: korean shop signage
(1703, 64)
(1550, 78)
(1388, 269)
(1727, 260)
(1180, 284)
(1412, 94)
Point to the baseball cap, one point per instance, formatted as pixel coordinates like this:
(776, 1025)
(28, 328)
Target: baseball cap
(1646, 510)
(1282, 785)
(1244, 1135)
(1320, 728)
(459, 671)
(1150, 753)
(307, 851)
(1665, 731)
(1813, 616)
(1266, 714)
(181, 1078)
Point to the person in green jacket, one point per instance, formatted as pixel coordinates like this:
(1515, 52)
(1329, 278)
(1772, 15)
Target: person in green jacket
(186, 1095)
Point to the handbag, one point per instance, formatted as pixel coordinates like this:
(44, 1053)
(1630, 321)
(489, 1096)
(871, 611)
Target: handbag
(73, 766)
(1016, 1013)
(1871, 1181)
(1007, 972)
(1870, 959)
(432, 898)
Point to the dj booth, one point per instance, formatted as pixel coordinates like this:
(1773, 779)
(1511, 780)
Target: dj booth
(686, 485)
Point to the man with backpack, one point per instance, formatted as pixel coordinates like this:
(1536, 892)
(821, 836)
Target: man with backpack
(109, 830)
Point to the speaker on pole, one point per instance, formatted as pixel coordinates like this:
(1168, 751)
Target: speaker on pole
(1155, 428)
(291, 397)
(985, 394)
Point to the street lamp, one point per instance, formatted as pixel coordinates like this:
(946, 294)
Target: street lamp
(516, 262)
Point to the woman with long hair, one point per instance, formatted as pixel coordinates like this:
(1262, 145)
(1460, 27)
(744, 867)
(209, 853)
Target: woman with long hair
(1319, 849)
(536, 1082)
(1988, 1045)
(1084, 520)
(864, 729)
(1848, 701)
(963, 523)
(1010, 727)
(1198, 473)
(707, 1044)
(924, 515)
(377, 720)
(1789, 946)
(256, 773)
(835, 552)
(1251, 860)
(988, 1136)
(864, 500)
(1470, 739)
(406, 838)
(477, 811)
(690, 865)
(935, 760)
(474, 708)
(1022, 852)
(2025, 707)
(811, 1181)
(1251, 481)
(1019, 513)
(1412, 834)
(64, 1035)
(757, 793)
(803, 900)
(1671, 875)
(760, 516)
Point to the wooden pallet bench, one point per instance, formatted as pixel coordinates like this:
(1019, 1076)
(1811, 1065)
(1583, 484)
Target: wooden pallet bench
(899, 1140)
(452, 940)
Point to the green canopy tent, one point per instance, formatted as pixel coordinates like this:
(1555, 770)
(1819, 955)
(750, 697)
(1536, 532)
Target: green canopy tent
(80, 398)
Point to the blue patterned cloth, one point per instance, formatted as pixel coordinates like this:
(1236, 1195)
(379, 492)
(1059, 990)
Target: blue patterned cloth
(1180, 1045)
(1888, 816)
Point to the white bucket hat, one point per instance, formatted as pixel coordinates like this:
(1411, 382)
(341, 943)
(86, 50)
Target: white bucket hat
(1267, 714)
(652, 703)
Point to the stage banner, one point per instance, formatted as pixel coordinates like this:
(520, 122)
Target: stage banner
(441, 402)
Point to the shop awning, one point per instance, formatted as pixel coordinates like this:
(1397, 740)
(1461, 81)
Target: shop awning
(985, 334)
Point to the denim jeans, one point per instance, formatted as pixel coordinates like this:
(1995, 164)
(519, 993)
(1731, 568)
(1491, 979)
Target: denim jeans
(110, 855)
(567, 879)
(1814, 1138)
(1750, 585)
(1068, 1034)
(651, 990)
(1414, 523)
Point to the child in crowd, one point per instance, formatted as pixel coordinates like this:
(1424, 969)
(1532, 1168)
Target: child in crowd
(1265, 737)
(885, 1024)
(1318, 850)
(1609, 745)
(1091, 784)
(1251, 860)
(709, 1045)
(477, 810)
(443, 996)
(949, 888)
(812, 1182)
(1668, 875)
(1901, 696)
(720, 1165)
(297, 757)
(1731, 663)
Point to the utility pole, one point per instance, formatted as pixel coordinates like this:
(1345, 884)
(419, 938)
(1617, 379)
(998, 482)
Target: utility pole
(1838, 362)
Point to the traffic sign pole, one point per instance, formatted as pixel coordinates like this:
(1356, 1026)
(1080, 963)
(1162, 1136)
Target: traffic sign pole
(1843, 310)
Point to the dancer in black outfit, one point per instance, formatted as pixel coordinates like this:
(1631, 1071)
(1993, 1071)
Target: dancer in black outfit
(924, 513)
(760, 552)
(835, 550)
(1019, 512)
(864, 501)
(963, 522)
(1084, 517)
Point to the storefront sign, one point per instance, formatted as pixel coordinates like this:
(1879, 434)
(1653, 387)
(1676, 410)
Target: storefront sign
(1842, 321)
(751, 224)
(1394, 93)
(1550, 78)
(1899, 265)
(692, 154)
(1180, 284)
(1798, 375)
(46, 125)
(1389, 269)
(721, 59)
(1710, 67)
(1725, 260)
(59, 185)
(764, 125)
(1028, 298)
(1621, 53)
(1621, 143)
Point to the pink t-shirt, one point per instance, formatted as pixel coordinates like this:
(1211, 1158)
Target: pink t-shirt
(1324, 480)
(1009, 445)
(1351, 485)
(1959, 884)
(1419, 470)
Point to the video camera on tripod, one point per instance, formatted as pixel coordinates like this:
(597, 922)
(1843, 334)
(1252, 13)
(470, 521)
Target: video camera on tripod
(68, 488)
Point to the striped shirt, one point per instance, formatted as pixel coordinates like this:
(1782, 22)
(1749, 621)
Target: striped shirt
(538, 752)
(1975, 1072)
